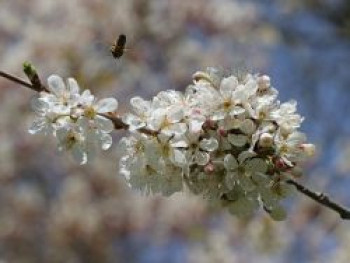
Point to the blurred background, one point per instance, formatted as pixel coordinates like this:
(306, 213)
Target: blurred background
(52, 210)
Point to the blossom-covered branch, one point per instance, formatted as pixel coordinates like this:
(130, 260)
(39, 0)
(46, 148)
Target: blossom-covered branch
(226, 138)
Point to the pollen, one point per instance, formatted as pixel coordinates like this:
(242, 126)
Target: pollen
(227, 104)
(90, 113)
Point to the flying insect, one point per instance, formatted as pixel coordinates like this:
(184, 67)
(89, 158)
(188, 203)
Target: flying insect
(118, 48)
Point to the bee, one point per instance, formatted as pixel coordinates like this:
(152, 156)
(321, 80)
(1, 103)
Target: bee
(118, 48)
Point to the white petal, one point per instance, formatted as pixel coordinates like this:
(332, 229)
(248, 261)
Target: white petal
(106, 105)
(56, 85)
(79, 155)
(256, 165)
(175, 114)
(153, 152)
(140, 105)
(251, 85)
(240, 94)
(245, 155)
(178, 158)
(209, 144)
(73, 86)
(261, 179)
(106, 141)
(133, 121)
(39, 106)
(284, 190)
(278, 213)
(245, 182)
(37, 126)
(228, 85)
(175, 129)
(248, 126)
(201, 158)
(230, 180)
(218, 115)
(86, 98)
(156, 120)
(237, 110)
(269, 199)
(243, 207)
(230, 162)
(104, 124)
(83, 123)
(62, 134)
(196, 123)
(91, 143)
(179, 142)
(296, 138)
(61, 109)
(230, 124)
(238, 140)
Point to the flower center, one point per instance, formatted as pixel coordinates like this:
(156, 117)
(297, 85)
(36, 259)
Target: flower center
(227, 104)
(262, 115)
(71, 140)
(90, 112)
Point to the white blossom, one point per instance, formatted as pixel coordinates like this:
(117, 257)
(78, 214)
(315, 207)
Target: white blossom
(226, 138)
(79, 121)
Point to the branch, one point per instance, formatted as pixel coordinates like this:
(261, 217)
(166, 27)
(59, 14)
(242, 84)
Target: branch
(322, 199)
(17, 80)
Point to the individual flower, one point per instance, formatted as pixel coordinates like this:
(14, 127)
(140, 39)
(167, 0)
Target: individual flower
(95, 126)
(70, 139)
(286, 117)
(46, 119)
(142, 109)
(190, 149)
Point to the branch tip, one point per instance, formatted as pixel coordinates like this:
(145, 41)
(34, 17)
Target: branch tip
(322, 199)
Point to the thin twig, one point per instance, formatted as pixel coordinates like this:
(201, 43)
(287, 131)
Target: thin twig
(322, 199)
(118, 123)
(17, 80)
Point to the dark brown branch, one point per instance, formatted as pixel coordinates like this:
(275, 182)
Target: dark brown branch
(322, 199)
(17, 80)
(118, 123)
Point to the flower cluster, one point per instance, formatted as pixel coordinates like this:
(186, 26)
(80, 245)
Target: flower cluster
(226, 138)
(77, 120)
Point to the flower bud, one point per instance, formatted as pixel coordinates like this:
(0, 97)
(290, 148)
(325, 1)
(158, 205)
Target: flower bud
(264, 83)
(209, 168)
(309, 149)
(266, 140)
(201, 76)
(280, 164)
(33, 76)
(222, 132)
